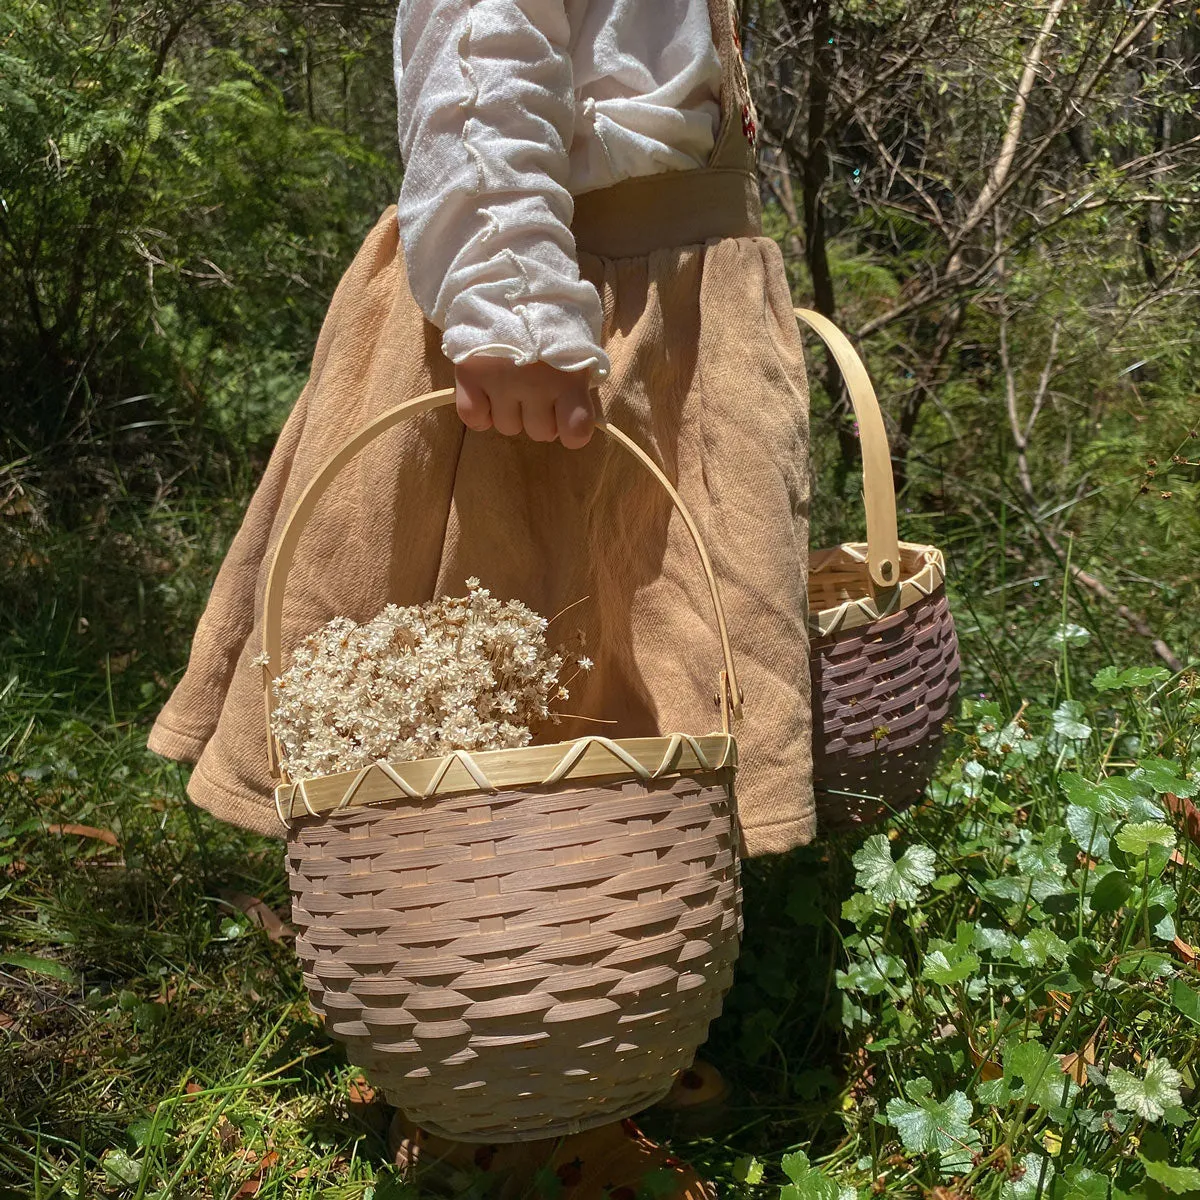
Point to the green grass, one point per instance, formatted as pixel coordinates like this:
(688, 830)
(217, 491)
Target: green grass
(901, 1002)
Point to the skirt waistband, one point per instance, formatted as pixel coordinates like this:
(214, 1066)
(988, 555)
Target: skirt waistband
(674, 208)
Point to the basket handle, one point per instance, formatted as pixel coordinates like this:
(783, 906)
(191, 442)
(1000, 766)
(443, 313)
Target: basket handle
(879, 487)
(730, 696)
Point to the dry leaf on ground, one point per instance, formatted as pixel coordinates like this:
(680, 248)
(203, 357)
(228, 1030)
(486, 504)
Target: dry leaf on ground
(260, 913)
(1181, 806)
(88, 831)
(1189, 954)
(1076, 1063)
(988, 1068)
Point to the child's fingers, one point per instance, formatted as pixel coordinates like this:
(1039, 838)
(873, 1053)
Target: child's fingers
(471, 401)
(544, 403)
(538, 418)
(575, 419)
(506, 414)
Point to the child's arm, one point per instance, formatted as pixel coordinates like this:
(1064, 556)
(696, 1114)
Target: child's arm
(487, 111)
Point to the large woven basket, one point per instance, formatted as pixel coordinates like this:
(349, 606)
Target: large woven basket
(519, 943)
(883, 650)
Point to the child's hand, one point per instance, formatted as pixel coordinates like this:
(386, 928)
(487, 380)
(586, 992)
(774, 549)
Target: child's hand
(493, 393)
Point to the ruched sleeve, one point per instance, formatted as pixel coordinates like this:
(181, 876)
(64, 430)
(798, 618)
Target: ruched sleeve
(486, 118)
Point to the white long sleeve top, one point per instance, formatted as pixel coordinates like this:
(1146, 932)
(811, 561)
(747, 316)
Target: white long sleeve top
(508, 109)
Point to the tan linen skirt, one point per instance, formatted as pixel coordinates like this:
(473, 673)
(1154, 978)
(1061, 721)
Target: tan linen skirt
(708, 376)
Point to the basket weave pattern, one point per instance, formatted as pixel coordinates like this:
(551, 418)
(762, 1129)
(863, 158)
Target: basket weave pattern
(881, 694)
(524, 963)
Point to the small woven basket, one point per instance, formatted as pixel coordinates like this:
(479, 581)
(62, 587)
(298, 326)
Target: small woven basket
(882, 645)
(518, 943)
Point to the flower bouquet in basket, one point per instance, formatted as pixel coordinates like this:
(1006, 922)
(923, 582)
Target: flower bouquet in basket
(514, 940)
(464, 673)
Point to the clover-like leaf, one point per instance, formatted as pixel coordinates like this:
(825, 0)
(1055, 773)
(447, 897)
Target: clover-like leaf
(859, 908)
(1070, 634)
(1151, 1095)
(1163, 776)
(1164, 928)
(807, 1182)
(1110, 796)
(1174, 1179)
(1039, 946)
(946, 967)
(996, 1092)
(997, 942)
(1040, 854)
(870, 974)
(1112, 680)
(120, 1169)
(1111, 892)
(1036, 1074)
(1086, 1184)
(1032, 1178)
(748, 1169)
(1068, 721)
(1137, 838)
(1187, 1000)
(893, 880)
(1091, 830)
(929, 1124)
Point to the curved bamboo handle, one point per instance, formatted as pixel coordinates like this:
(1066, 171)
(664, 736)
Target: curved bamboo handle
(730, 698)
(879, 487)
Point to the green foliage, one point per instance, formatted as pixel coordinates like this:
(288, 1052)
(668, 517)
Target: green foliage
(805, 1181)
(926, 1125)
(1150, 1094)
(172, 227)
(1036, 368)
(1030, 998)
(889, 882)
(1175, 1179)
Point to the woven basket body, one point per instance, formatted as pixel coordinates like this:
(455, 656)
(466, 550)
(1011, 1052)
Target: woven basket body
(882, 686)
(526, 963)
(525, 942)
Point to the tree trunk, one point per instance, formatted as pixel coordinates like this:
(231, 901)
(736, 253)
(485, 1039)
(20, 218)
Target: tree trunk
(814, 175)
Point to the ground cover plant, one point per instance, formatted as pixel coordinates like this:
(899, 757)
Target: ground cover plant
(995, 994)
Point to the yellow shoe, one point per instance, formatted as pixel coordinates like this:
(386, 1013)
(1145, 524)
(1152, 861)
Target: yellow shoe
(613, 1162)
(698, 1100)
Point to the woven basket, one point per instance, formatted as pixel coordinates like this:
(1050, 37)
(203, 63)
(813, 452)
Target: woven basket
(518, 943)
(882, 648)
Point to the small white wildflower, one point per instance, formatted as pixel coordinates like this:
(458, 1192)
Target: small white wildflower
(586, 664)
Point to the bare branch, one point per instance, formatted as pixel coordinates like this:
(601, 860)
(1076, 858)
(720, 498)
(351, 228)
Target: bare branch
(998, 175)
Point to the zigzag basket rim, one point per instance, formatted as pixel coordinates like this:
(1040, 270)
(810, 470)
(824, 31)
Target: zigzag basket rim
(490, 771)
(857, 611)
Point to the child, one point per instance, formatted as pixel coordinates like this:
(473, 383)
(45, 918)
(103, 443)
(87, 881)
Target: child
(578, 232)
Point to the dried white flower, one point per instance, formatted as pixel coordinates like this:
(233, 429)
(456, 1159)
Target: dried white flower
(465, 673)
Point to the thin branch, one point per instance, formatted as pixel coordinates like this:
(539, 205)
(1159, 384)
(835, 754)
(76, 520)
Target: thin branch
(894, 164)
(999, 173)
